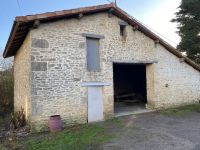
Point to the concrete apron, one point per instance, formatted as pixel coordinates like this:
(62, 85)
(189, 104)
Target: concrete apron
(131, 110)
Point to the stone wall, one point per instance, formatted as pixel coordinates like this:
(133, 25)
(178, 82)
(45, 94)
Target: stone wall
(176, 83)
(58, 60)
(22, 78)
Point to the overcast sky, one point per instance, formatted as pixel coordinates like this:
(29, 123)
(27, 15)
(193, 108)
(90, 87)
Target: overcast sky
(156, 14)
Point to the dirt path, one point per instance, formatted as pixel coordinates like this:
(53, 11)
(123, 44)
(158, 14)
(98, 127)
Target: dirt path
(155, 131)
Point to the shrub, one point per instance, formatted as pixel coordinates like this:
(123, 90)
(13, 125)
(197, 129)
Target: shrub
(6, 87)
(18, 119)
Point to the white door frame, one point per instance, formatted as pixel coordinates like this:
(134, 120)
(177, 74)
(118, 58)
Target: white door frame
(95, 100)
(95, 104)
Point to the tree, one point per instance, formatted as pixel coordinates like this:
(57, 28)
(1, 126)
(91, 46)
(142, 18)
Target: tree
(188, 19)
(6, 86)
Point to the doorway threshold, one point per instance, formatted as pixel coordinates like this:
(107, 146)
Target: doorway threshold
(124, 110)
(132, 112)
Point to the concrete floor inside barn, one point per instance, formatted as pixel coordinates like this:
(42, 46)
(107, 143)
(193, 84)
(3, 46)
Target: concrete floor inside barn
(123, 109)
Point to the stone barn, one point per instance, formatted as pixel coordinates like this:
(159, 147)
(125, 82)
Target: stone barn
(90, 64)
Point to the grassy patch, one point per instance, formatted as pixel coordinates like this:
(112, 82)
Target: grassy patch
(181, 111)
(2, 147)
(79, 138)
(4, 122)
(1, 120)
(116, 121)
(4, 119)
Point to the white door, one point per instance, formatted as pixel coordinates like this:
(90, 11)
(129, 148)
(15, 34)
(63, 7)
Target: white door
(95, 104)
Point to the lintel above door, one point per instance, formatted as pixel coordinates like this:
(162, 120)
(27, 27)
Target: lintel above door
(95, 84)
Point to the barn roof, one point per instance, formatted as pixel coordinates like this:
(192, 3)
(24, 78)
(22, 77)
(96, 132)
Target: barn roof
(23, 24)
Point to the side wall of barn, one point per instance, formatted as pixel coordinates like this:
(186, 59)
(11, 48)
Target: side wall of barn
(22, 78)
(175, 82)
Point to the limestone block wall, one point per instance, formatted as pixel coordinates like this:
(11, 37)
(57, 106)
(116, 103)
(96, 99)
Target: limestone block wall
(56, 85)
(61, 49)
(175, 82)
(58, 62)
(22, 78)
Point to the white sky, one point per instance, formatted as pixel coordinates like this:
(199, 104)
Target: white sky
(159, 19)
(156, 14)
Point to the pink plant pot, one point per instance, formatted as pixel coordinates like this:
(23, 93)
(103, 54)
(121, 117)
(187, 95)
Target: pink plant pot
(55, 123)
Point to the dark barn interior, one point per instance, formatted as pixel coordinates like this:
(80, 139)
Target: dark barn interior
(129, 87)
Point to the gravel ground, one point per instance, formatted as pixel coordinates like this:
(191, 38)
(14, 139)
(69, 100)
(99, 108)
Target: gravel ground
(155, 131)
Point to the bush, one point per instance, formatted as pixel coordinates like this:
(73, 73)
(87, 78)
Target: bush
(18, 119)
(6, 87)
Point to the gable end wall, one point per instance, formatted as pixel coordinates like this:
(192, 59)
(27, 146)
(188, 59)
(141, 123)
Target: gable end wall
(58, 59)
(175, 82)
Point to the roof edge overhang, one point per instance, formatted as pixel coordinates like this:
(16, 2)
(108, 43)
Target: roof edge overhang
(23, 24)
(8, 44)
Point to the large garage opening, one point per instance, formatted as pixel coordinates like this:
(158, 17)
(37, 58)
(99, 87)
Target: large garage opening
(130, 90)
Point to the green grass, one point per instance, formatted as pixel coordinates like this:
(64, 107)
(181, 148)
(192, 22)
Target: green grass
(116, 121)
(74, 139)
(2, 147)
(4, 122)
(1, 120)
(181, 111)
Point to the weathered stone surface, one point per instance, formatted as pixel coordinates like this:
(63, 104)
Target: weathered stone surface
(82, 45)
(40, 43)
(36, 109)
(57, 87)
(22, 78)
(39, 66)
(32, 58)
